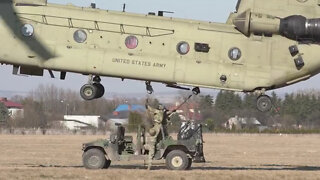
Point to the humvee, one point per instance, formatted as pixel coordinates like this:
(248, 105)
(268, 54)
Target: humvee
(178, 154)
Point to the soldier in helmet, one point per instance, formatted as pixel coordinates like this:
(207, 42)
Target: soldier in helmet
(160, 116)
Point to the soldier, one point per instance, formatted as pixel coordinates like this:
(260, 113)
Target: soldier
(160, 117)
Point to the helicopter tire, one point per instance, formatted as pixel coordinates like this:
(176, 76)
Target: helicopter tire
(100, 89)
(264, 103)
(89, 92)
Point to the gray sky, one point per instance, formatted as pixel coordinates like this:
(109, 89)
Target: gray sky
(207, 10)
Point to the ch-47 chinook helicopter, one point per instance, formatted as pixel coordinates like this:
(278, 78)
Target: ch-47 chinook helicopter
(263, 46)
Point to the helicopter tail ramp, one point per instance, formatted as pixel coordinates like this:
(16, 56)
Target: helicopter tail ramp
(281, 8)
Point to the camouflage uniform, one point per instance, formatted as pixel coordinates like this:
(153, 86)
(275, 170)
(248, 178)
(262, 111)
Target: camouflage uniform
(158, 115)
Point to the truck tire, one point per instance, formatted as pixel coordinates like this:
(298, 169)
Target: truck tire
(177, 160)
(189, 164)
(107, 164)
(94, 159)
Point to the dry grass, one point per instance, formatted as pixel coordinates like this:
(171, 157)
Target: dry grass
(229, 157)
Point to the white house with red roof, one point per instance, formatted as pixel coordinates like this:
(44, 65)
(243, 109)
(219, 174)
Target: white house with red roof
(15, 109)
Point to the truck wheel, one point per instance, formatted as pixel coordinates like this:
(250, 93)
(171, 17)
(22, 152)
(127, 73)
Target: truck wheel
(177, 160)
(190, 163)
(94, 159)
(107, 164)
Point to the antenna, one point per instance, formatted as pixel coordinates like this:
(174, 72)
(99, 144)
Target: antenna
(124, 7)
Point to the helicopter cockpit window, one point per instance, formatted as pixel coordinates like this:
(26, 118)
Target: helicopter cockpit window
(27, 30)
(80, 36)
(235, 54)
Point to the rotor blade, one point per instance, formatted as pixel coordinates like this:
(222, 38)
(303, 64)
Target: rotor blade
(8, 14)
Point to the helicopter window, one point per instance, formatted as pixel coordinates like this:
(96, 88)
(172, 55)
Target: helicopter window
(223, 78)
(235, 54)
(131, 42)
(27, 30)
(183, 48)
(80, 36)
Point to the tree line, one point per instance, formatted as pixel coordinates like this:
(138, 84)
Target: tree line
(46, 105)
(299, 110)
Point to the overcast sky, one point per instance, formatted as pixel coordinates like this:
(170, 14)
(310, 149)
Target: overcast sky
(207, 10)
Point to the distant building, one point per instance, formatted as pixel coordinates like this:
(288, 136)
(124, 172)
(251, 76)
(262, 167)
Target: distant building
(82, 122)
(15, 109)
(129, 108)
(241, 123)
(121, 114)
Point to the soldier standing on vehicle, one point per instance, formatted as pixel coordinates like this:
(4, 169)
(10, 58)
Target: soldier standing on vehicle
(159, 116)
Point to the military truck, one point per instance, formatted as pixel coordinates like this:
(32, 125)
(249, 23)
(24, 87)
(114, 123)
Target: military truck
(178, 154)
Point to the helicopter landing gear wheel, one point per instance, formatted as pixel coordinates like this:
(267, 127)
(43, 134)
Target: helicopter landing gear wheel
(264, 103)
(89, 92)
(93, 89)
(101, 90)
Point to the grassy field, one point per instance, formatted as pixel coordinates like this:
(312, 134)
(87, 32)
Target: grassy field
(228, 156)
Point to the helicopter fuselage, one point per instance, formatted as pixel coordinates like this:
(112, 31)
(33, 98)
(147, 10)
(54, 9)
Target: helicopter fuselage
(219, 55)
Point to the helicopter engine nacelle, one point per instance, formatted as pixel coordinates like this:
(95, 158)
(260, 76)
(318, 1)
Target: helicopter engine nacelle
(300, 28)
(294, 27)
